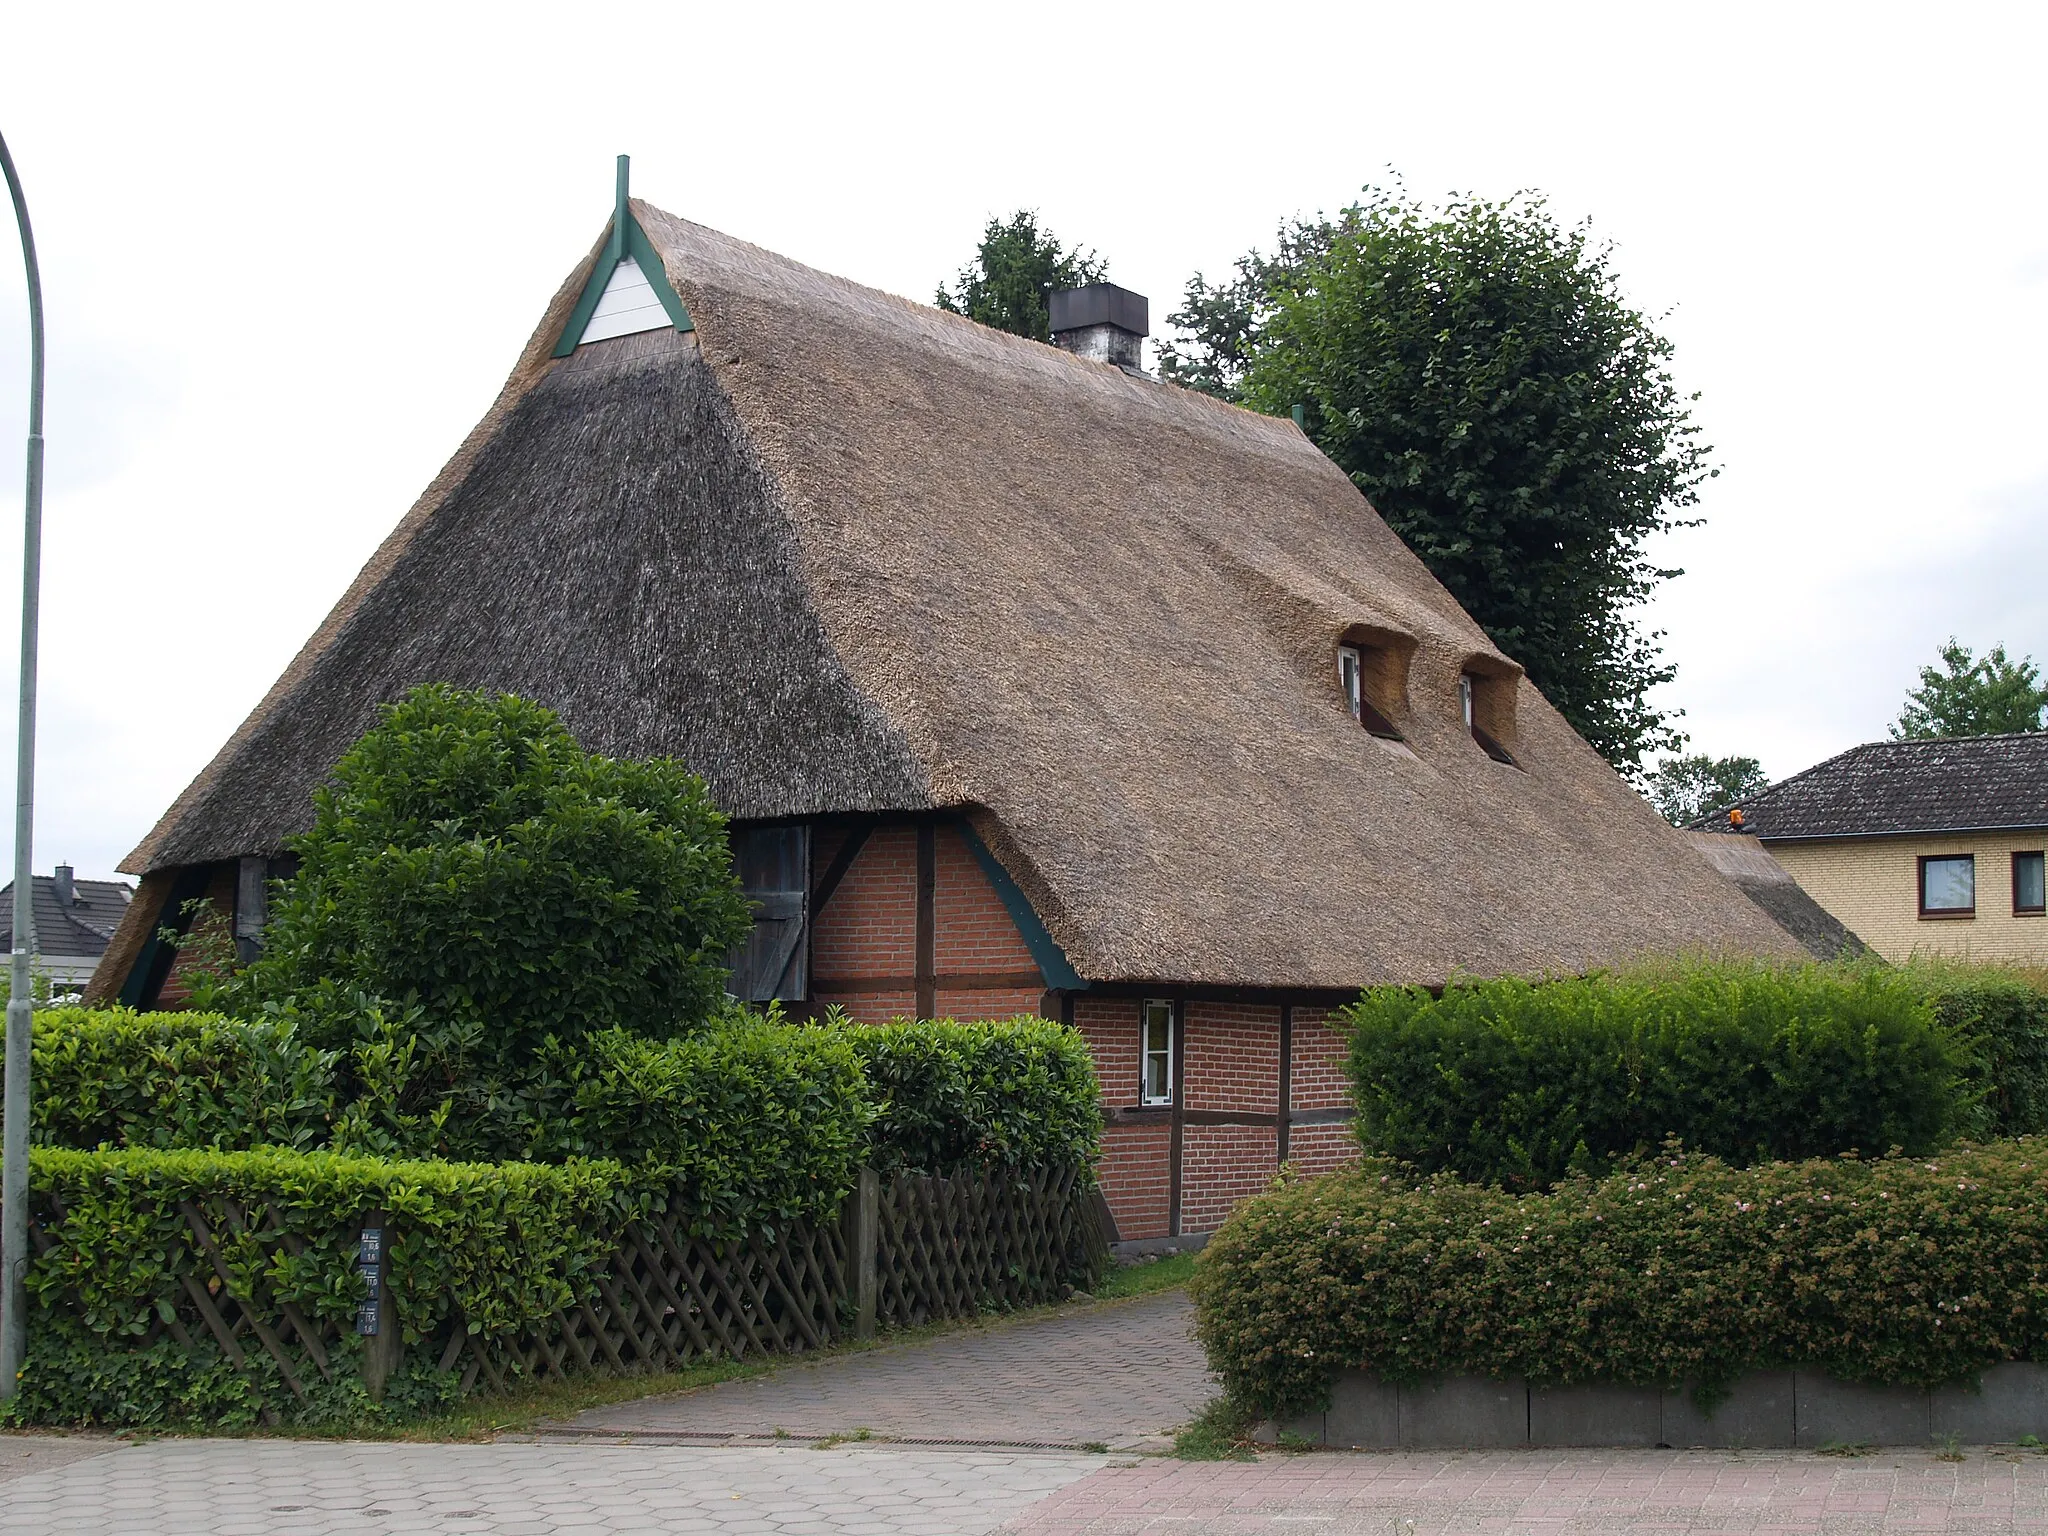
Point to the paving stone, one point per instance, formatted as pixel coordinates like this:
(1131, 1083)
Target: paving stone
(1120, 1374)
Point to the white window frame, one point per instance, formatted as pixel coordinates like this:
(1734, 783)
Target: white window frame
(1147, 1053)
(1351, 678)
(1465, 690)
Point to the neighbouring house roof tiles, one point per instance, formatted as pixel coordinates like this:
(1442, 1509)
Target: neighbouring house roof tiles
(81, 928)
(1890, 788)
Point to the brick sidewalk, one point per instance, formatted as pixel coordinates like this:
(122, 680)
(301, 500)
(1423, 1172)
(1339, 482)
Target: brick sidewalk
(1559, 1493)
(1121, 1374)
(317, 1488)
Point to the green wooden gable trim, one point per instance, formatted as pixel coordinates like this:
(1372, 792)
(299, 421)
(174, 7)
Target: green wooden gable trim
(1045, 949)
(627, 239)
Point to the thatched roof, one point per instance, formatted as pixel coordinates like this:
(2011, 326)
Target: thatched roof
(839, 551)
(1770, 885)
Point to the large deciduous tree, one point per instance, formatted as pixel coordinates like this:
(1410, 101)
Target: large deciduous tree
(1968, 696)
(1478, 374)
(1014, 274)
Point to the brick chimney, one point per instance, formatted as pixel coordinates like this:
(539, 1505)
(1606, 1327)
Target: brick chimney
(1103, 322)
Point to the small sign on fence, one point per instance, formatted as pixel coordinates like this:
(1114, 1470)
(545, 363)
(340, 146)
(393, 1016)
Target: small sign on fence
(370, 1265)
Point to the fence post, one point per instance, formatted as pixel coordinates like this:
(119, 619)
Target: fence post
(865, 1242)
(377, 1319)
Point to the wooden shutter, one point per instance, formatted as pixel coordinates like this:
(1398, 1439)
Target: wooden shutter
(774, 866)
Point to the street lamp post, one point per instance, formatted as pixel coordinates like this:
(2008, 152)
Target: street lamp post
(14, 1134)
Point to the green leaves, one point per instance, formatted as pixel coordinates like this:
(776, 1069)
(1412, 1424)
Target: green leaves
(1478, 374)
(1016, 270)
(953, 1097)
(1966, 696)
(1671, 1270)
(1685, 789)
(1521, 1084)
(470, 860)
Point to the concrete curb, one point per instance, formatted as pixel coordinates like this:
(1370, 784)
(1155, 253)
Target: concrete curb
(1766, 1410)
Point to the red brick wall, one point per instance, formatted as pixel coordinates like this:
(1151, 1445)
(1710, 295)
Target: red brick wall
(1219, 1166)
(219, 913)
(1321, 1148)
(1232, 1056)
(973, 932)
(867, 933)
(868, 929)
(1319, 1055)
(1135, 1171)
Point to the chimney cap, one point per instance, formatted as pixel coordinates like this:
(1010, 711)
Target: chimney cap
(1075, 309)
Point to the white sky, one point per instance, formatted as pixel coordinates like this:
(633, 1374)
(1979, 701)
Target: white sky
(289, 255)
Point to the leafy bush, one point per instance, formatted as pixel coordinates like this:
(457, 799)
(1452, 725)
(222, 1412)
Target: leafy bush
(952, 1097)
(1676, 1269)
(111, 1077)
(749, 1126)
(2001, 1017)
(471, 859)
(494, 1249)
(1518, 1084)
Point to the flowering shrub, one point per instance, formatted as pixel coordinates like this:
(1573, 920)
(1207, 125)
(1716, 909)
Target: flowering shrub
(1673, 1269)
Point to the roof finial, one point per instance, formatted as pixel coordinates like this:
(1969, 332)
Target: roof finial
(619, 212)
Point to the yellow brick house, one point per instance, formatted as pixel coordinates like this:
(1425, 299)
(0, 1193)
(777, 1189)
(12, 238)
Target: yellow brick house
(1929, 847)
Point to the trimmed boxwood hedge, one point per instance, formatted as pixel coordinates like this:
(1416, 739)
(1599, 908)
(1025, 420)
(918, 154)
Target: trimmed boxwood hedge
(1519, 1083)
(1673, 1270)
(500, 1245)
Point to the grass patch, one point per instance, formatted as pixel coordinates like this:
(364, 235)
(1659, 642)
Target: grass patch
(1147, 1276)
(1220, 1432)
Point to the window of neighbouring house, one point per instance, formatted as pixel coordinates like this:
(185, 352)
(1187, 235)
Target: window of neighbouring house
(1155, 1050)
(1352, 676)
(2029, 888)
(1948, 886)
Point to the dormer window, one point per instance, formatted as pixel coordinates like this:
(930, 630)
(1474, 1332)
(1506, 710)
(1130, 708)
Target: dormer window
(1353, 664)
(1475, 695)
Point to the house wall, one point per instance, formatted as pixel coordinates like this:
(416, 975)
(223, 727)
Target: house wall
(1872, 886)
(864, 949)
(1228, 1124)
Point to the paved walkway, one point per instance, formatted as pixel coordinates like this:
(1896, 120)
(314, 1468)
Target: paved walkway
(1122, 1375)
(584, 1488)
(313, 1488)
(1559, 1493)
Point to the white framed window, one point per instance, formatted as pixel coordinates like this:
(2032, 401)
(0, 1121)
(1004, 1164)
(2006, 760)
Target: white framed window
(1348, 671)
(1155, 1051)
(1468, 705)
(1351, 669)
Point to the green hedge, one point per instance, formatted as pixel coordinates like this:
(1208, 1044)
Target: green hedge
(750, 1124)
(502, 1247)
(952, 1097)
(111, 1077)
(2001, 1017)
(1680, 1269)
(1520, 1083)
(748, 1127)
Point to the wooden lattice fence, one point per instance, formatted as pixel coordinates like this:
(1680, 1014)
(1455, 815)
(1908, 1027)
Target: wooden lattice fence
(906, 1252)
(226, 1263)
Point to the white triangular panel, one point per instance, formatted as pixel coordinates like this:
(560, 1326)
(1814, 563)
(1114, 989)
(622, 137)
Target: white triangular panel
(628, 304)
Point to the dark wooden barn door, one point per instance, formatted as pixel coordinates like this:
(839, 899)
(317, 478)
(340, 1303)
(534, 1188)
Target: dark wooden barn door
(774, 866)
